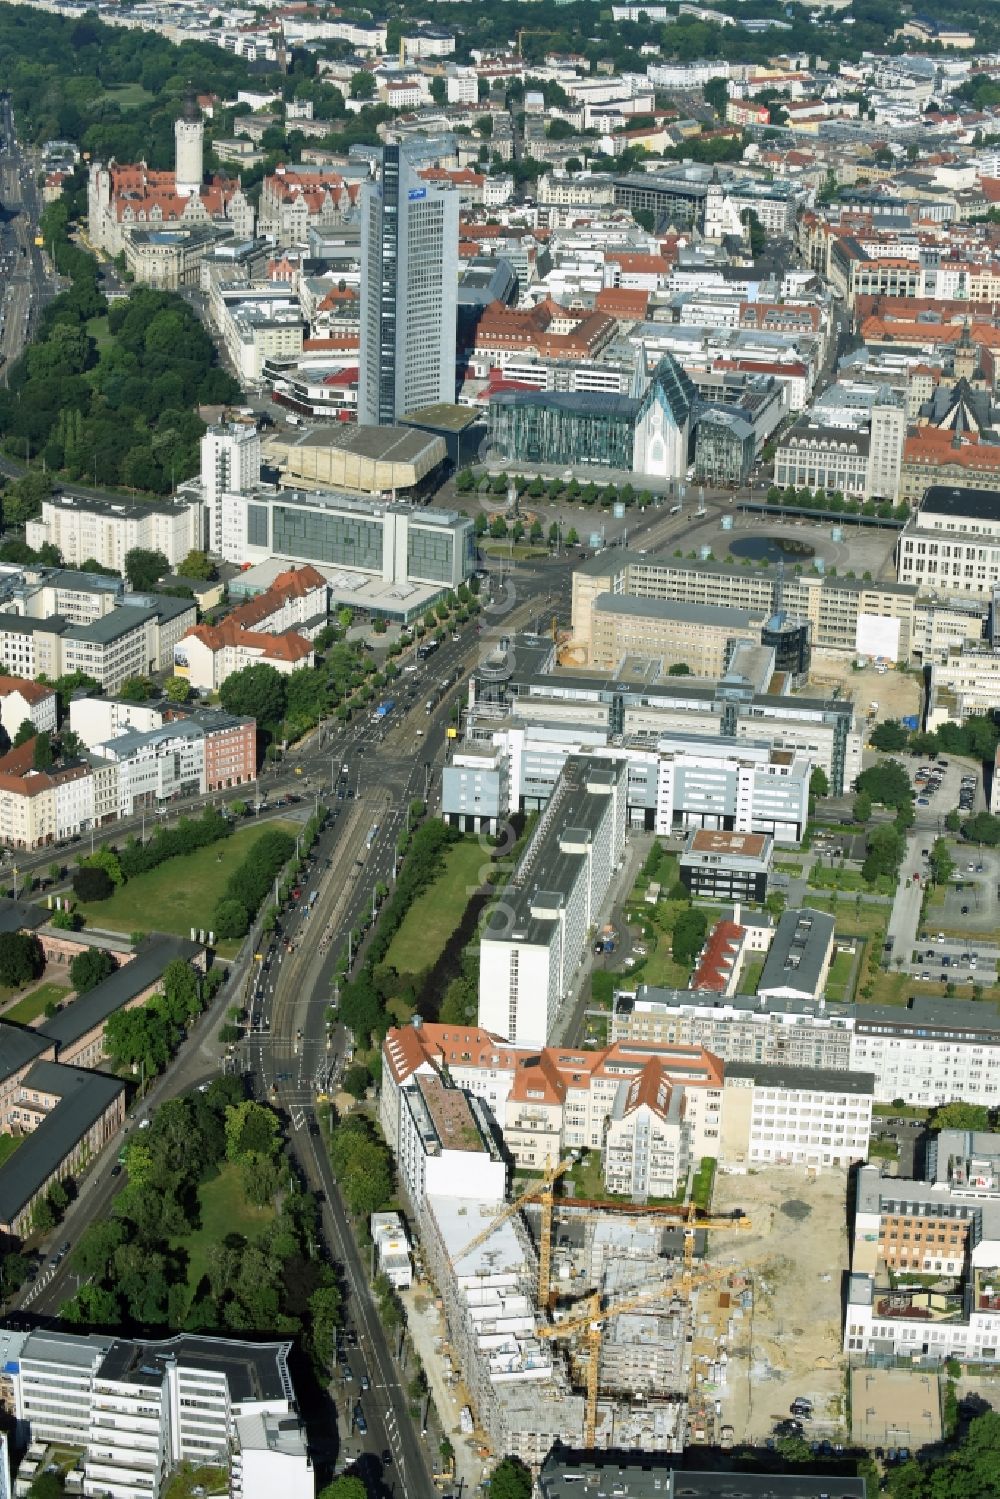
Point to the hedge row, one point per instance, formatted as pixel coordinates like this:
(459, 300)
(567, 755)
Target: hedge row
(167, 843)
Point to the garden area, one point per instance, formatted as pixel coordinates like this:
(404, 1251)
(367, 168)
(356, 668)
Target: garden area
(839, 981)
(36, 1003)
(210, 1233)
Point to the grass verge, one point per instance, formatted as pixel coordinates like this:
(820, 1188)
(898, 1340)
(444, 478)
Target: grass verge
(438, 912)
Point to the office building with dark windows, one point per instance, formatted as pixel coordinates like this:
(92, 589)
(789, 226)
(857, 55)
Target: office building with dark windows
(388, 559)
(409, 287)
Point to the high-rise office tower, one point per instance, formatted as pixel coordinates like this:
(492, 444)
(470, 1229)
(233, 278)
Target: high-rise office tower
(409, 262)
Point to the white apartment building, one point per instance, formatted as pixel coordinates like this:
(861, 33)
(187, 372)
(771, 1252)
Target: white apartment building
(536, 936)
(965, 682)
(22, 699)
(138, 1410)
(97, 719)
(230, 464)
(107, 530)
(444, 1144)
(393, 1249)
(952, 543)
(647, 1150)
(259, 322)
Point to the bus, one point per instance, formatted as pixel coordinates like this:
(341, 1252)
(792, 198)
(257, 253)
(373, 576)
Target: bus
(372, 835)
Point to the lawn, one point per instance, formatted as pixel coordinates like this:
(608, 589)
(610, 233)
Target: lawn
(436, 914)
(838, 981)
(587, 1181)
(127, 95)
(99, 331)
(32, 1005)
(8, 1145)
(181, 893)
(750, 977)
(520, 551)
(223, 1211)
(189, 1482)
(825, 878)
(851, 918)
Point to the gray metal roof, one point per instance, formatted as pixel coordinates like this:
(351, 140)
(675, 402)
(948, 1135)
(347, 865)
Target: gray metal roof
(18, 1047)
(718, 616)
(809, 1079)
(569, 1474)
(21, 915)
(83, 1098)
(93, 1008)
(797, 952)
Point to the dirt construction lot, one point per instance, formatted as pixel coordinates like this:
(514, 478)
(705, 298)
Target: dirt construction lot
(897, 692)
(796, 1255)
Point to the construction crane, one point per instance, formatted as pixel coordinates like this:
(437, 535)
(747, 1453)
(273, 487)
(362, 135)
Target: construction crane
(541, 1192)
(692, 1223)
(591, 1322)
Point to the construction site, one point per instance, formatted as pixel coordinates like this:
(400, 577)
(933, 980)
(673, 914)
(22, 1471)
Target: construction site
(624, 1325)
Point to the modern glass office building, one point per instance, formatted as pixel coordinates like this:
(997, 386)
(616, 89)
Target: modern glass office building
(409, 287)
(547, 426)
(393, 544)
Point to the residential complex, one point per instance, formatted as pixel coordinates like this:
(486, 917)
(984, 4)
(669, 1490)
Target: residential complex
(105, 531)
(49, 1092)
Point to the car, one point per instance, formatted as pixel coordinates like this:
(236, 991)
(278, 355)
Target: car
(144, 1123)
(946, 961)
(116, 1169)
(366, 1383)
(923, 801)
(943, 764)
(925, 975)
(965, 910)
(297, 893)
(386, 1457)
(940, 936)
(359, 1420)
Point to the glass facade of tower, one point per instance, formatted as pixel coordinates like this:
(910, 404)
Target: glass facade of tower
(409, 256)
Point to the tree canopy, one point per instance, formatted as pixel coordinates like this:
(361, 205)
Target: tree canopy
(21, 959)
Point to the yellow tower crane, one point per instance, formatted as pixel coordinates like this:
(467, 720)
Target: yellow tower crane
(591, 1322)
(542, 1193)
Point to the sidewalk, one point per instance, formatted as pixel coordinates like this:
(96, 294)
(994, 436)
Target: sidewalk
(427, 1328)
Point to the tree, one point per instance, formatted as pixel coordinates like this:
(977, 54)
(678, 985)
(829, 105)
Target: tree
(344, 1487)
(46, 1486)
(885, 849)
(941, 862)
(24, 733)
(716, 93)
(982, 828)
(230, 920)
(92, 884)
(887, 782)
(689, 935)
(890, 735)
(90, 968)
(862, 808)
(572, 537)
(510, 1479)
(177, 690)
(819, 784)
(679, 669)
(144, 568)
(136, 689)
(197, 565)
(755, 232)
(357, 1080)
(952, 821)
(22, 959)
(964, 1116)
(362, 85)
(256, 692)
(42, 756)
(251, 1127)
(103, 858)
